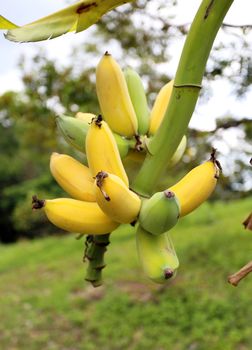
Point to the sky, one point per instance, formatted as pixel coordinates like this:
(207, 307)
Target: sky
(22, 12)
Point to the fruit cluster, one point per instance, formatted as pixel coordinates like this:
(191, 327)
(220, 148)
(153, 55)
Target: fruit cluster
(101, 195)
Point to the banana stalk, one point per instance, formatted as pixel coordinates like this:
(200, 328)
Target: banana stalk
(95, 248)
(187, 84)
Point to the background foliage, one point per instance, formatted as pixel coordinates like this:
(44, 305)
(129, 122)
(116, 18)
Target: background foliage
(46, 304)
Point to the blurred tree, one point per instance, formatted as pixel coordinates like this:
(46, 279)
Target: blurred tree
(28, 136)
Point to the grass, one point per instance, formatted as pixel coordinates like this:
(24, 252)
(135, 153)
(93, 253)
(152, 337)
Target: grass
(46, 304)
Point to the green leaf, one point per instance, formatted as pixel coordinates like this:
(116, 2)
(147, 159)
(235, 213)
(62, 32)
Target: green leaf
(6, 24)
(77, 17)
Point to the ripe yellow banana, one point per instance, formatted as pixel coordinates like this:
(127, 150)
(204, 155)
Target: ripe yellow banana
(114, 98)
(195, 187)
(156, 255)
(76, 216)
(75, 178)
(115, 199)
(159, 213)
(102, 151)
(122, 143)
(160, 106)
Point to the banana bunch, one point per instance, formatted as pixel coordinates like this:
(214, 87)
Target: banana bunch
(100, 195)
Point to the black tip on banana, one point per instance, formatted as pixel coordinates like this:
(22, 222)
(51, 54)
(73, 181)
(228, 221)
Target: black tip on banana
(139, 144)
(169, 194)
(213, 154)
(99, 182)
(216, 162)
(107, 54)
(98, 120)
(168, 273)
(37, 203)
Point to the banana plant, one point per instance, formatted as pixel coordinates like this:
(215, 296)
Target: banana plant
(153, 141)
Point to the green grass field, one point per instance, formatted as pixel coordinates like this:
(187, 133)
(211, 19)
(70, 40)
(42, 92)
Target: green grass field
(46, 304)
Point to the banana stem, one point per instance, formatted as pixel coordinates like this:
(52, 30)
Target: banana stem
(187, 84)
(95, 248)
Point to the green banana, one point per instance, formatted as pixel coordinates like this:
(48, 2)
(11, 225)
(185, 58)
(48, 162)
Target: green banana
(123, 144)
(156, 255)
(159, 213)
(75, 131)
(178, 154)
(138, 99)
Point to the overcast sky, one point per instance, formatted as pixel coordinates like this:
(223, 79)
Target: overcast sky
(25, 11)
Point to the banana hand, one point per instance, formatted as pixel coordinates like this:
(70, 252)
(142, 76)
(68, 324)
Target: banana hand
(115, 199)
(76, 216)
(114, 99)
(156, 255)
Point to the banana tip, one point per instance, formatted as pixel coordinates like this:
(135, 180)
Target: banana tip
(169, 194)
(168, 273)
(37, 203)
(55, 154)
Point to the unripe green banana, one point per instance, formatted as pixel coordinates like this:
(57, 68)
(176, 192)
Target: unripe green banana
(123, 144)
(159, 213)
(75, 131)
(138, 99)
(179, 152)
(156, 255)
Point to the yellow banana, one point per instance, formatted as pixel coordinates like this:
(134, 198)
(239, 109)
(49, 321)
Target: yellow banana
(122, 143)
(114, 98)
(160, 106)
(74, 177)
(76, 216)
(156, 255)
(115, 199)
(195, 187)
(102, 151)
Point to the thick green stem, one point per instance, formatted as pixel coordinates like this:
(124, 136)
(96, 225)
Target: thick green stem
(96, 247)
(185, 93)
